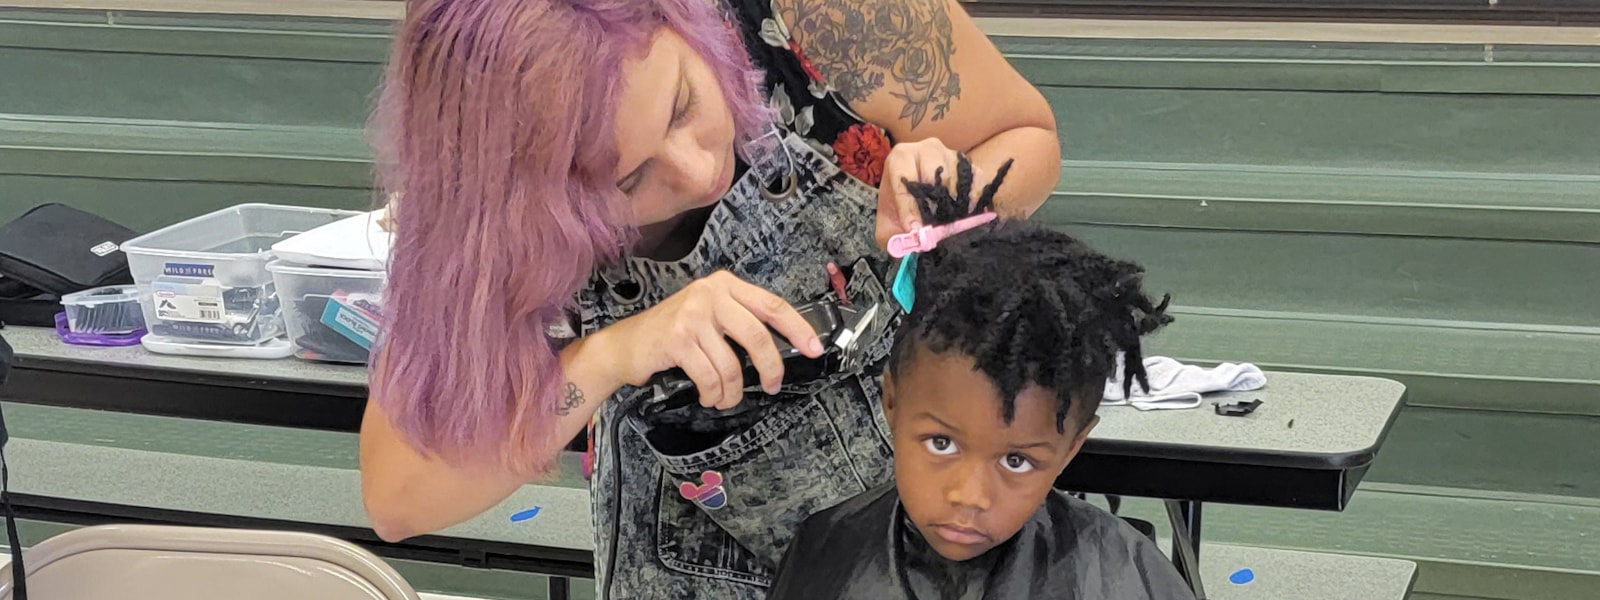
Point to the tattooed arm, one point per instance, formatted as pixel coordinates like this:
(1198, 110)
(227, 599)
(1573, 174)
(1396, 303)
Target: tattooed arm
(921, 69)
(409, 493)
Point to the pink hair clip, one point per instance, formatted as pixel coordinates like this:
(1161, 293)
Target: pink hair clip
(925, 238)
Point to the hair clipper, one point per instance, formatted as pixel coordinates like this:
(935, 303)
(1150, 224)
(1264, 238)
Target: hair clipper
(844, 329)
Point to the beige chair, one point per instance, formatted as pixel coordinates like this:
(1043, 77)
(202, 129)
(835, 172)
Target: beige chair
(143, 562)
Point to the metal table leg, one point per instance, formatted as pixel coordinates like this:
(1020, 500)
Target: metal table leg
(1191, 519)
(1185, 518)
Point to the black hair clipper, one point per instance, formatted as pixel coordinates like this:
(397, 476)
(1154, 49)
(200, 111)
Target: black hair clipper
(845, 331)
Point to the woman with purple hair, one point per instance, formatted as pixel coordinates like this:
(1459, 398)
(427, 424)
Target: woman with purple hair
(591, 192)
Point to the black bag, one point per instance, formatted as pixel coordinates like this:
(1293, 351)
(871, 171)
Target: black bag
(54, 250)
(19, 574)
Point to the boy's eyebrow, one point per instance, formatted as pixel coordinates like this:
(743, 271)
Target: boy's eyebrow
(1042, 444)
(941, 422)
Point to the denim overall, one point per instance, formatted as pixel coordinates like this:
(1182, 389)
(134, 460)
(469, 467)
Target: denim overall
(665, 526)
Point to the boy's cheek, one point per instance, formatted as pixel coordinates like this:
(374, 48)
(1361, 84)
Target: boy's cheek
(912, 480)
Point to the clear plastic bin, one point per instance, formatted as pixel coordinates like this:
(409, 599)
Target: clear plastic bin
(109, 309)
(332, 314)
(205, 279)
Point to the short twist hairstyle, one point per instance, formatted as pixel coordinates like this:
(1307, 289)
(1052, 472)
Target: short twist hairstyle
(1031, 305)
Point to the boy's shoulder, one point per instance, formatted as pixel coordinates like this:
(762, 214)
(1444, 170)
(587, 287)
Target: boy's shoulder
(1068, 515)
(864, 519)
(1069, 549)
(1097, 553)
(832, 544)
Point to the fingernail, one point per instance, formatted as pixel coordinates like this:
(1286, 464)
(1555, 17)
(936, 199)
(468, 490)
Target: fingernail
(770, 388)
(816, 346)
(915, 224)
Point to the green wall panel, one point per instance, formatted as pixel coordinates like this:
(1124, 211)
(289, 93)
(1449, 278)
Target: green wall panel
(1527, 134)
(185, 87)
(1388, 277)
(1443, 364)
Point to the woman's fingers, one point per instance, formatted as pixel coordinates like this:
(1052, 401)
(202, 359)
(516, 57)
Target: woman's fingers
(753, 336)
(730, 379)
(776, 312)
(707, 380)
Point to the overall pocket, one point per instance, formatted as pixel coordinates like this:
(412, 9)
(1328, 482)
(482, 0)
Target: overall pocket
(757, 486)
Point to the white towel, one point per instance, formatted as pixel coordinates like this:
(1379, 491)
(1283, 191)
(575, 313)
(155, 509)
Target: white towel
(1174, 385)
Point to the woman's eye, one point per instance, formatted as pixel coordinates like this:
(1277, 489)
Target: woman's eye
(686, 108)
(1017, 463)
(940, 445)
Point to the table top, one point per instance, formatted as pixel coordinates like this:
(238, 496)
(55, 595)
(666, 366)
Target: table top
(41, 346)
(1310, 420)
(1306, 446)
(1325, 421)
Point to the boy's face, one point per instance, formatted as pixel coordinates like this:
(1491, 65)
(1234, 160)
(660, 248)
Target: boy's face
(967, 479)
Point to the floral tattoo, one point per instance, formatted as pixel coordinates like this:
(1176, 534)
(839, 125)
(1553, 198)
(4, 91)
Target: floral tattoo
(904, 46)
(573, 399)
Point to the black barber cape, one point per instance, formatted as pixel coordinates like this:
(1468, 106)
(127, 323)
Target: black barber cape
(866, 548)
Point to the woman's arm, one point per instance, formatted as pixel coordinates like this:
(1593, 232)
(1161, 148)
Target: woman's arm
(408, 493)
(922, 69)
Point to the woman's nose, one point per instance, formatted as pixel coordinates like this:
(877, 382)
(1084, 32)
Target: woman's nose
(693, 166)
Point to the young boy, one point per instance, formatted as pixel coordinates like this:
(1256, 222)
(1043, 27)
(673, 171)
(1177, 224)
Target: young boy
(990, 391)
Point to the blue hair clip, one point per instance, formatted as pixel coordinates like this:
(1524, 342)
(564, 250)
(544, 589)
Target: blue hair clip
(904, 287)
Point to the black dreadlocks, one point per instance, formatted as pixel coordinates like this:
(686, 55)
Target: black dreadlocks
(1030, 305)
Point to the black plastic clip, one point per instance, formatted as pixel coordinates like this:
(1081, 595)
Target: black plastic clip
(1237, 408)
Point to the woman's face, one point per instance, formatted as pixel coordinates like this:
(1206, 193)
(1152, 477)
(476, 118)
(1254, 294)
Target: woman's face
(674, 133)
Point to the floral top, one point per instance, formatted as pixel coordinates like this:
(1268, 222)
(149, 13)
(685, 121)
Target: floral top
(803, 99)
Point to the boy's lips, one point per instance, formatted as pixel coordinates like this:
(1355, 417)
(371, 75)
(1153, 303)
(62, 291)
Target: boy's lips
(960, 535)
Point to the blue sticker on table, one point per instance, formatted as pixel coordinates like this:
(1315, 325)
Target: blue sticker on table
(525, 515)
(1242, 576)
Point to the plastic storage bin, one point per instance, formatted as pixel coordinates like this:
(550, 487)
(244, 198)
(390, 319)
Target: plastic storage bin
(104, 310)
(332, 314)
(205, 279)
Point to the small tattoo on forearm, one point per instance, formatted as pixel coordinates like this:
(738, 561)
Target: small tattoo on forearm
(573, 398)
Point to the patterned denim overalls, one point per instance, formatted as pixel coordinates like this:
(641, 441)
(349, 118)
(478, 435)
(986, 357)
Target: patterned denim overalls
(780, 459)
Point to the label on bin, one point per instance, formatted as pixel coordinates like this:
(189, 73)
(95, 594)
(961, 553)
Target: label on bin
(351, 321)
(188, 299)
(187, 270)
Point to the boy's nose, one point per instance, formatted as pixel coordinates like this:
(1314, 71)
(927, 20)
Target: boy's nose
(969, 489)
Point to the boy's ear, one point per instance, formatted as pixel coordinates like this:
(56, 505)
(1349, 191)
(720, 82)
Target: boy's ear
(888, 395)
(1077, 441)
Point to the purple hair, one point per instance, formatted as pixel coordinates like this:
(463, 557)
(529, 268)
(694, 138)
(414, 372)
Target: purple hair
(494, 132)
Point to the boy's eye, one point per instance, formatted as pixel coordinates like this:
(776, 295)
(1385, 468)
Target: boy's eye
(1017, 463)
(940, 445)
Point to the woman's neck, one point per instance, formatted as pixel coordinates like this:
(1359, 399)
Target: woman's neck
(673, 239)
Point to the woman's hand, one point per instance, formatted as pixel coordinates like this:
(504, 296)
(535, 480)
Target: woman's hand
(691, 330)
(915, 161)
